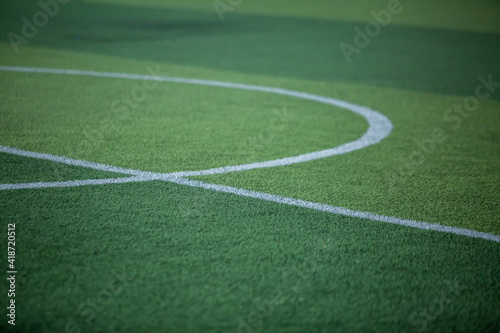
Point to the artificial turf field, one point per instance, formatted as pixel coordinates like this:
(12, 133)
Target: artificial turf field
(167, 256)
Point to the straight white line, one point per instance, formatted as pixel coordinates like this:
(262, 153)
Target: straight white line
(72, 183)
(336, 210)
(142, 176)
(70, 161)
(379, 125)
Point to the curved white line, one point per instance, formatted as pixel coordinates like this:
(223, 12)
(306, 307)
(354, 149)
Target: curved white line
(379, 125)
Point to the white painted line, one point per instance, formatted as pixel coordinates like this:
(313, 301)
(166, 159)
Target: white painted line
(379, 125)
(69, 161)
(380, 128)
(336, 210)
(266, 197)
(142, 176)
(72, 183)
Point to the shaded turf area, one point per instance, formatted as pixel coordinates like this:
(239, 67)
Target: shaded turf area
(414, 58)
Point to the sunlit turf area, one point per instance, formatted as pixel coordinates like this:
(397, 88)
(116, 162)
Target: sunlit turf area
(116, 230)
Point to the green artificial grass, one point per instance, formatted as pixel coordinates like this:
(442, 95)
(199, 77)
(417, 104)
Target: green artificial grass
(415, 58)
(201, 261)
(196, 260)
(452, 182)
(175, 127)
